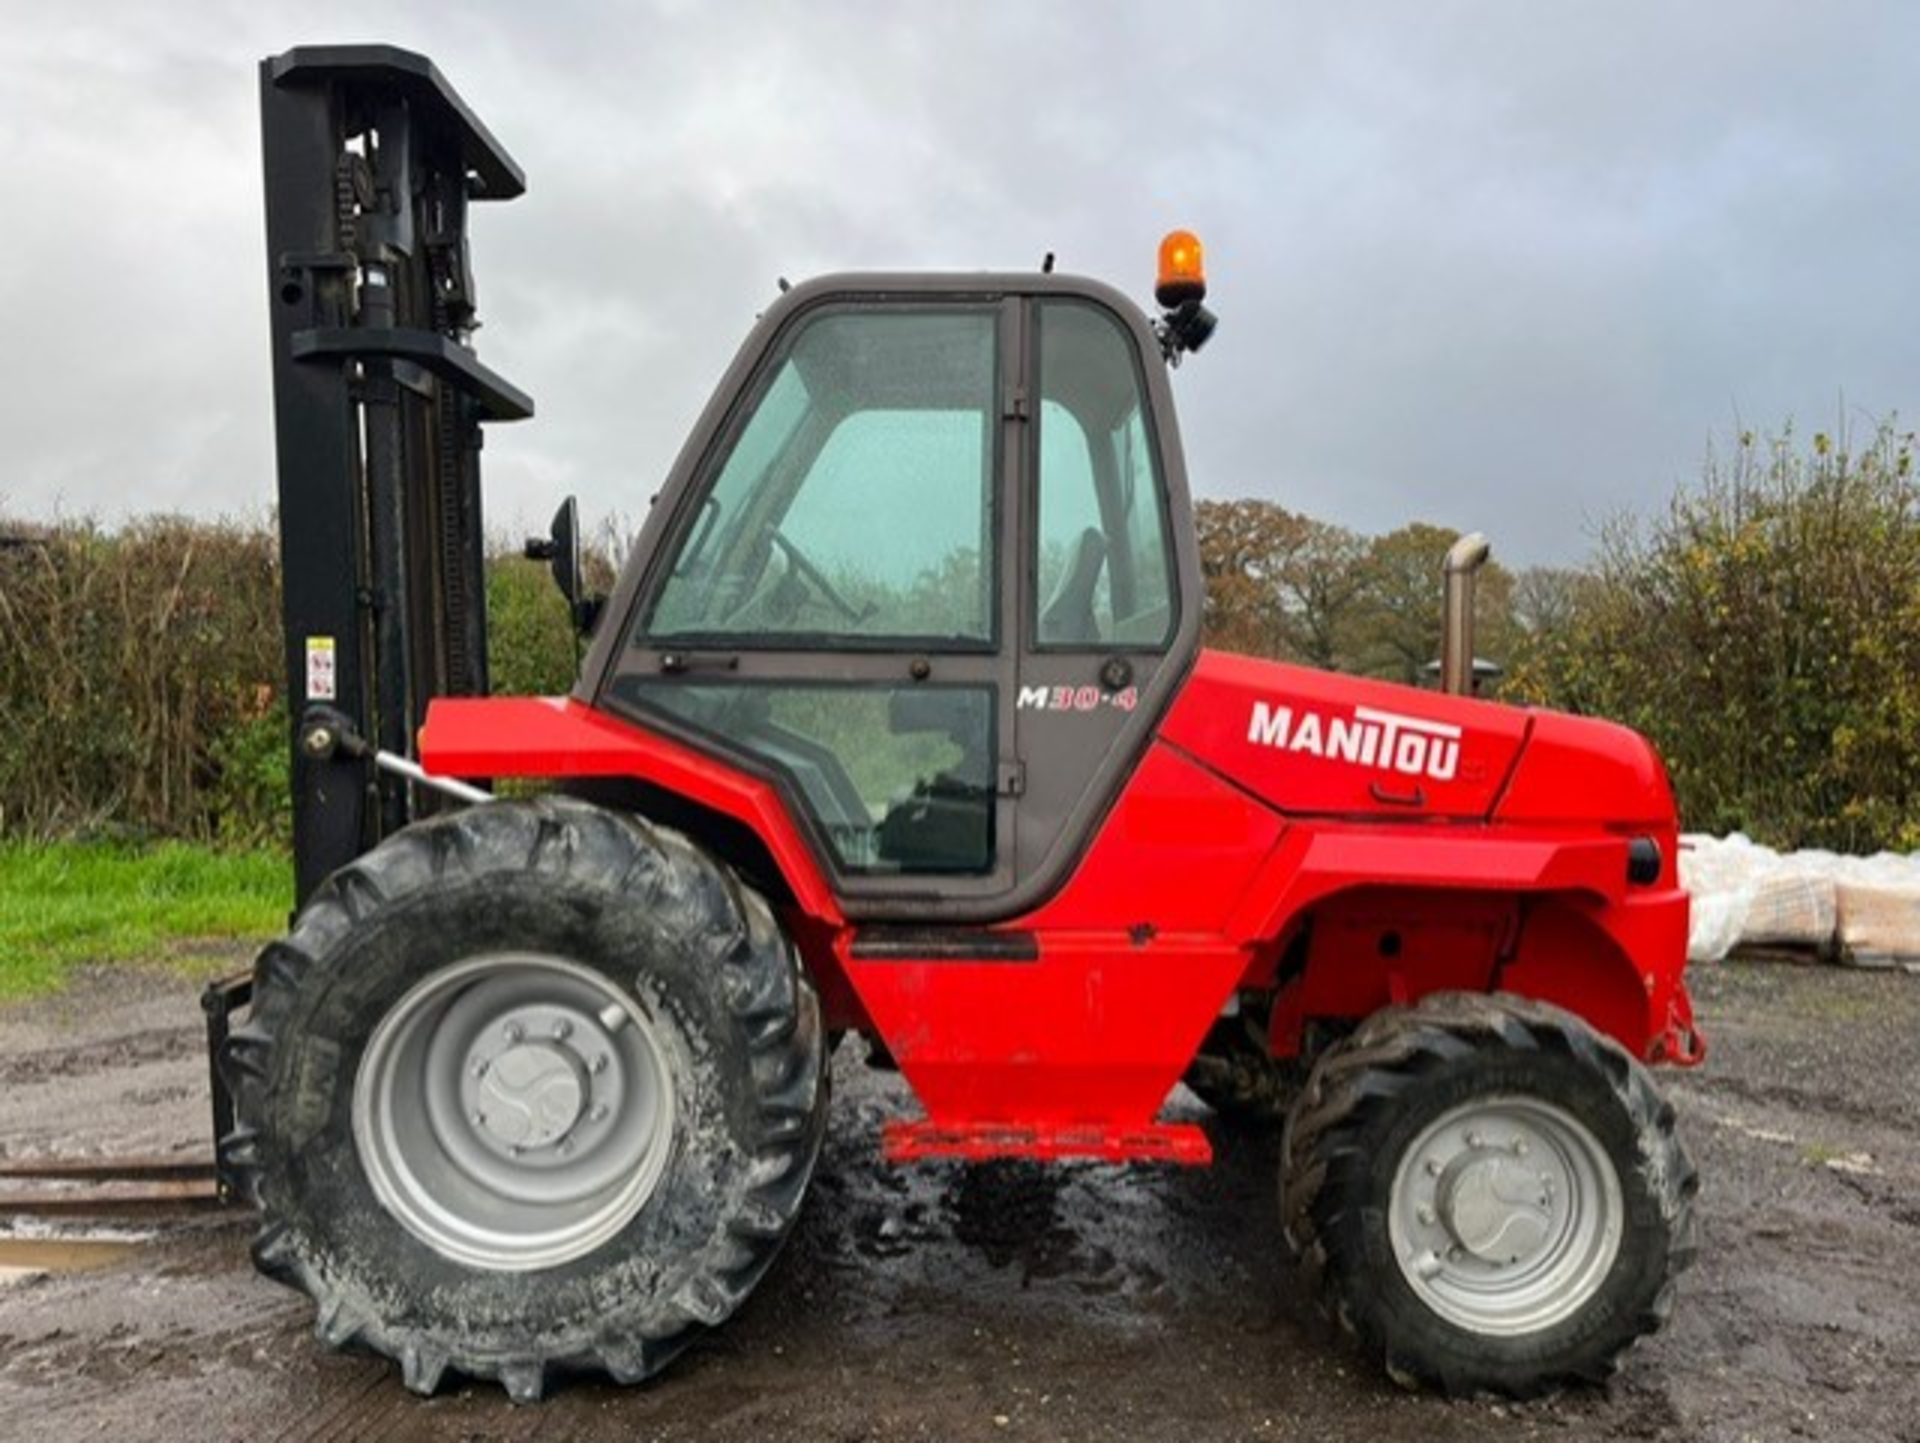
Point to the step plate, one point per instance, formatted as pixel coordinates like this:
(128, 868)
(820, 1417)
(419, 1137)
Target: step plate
(1174, 1142)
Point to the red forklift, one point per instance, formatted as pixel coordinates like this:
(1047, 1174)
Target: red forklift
(897, 723)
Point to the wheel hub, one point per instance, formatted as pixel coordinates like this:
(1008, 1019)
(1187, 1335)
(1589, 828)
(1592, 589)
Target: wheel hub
(530, 1095)
(515, 1110)
(1506, 1215)
(1494, 1207)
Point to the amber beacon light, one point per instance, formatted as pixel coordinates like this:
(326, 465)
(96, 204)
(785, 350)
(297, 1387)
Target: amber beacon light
(1186, 324)
(1183, 272)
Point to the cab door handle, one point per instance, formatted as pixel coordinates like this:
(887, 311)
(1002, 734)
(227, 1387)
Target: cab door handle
(676, 662)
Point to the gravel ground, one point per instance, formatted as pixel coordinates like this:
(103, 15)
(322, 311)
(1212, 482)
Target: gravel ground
(945, 1302)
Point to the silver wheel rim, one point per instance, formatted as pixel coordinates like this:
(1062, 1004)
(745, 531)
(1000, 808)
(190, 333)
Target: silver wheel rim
(514, 1111)
(1506, 1215)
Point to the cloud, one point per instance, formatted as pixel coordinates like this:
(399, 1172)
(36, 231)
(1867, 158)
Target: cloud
(1480, 263)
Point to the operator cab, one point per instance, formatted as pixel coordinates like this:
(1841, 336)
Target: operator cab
(921, 565)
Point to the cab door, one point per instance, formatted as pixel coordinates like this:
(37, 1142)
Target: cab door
(1102, 623)
(875, 587)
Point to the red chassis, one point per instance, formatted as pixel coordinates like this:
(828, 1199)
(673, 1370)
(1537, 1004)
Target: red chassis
(1337, 844)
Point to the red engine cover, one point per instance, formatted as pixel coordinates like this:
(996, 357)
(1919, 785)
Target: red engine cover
(1313, 742)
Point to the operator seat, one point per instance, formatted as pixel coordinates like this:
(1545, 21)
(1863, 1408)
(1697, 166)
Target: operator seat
(945, 824)
(1068, 617)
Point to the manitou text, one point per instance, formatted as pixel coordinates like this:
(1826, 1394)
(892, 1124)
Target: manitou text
(1387, 741)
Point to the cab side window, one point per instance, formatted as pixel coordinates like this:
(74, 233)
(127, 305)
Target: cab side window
(1101, 560)
(856, 503)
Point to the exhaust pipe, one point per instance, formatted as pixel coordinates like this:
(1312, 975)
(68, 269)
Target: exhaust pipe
(1464, 558)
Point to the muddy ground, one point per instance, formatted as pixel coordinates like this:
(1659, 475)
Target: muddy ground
(944, 1302)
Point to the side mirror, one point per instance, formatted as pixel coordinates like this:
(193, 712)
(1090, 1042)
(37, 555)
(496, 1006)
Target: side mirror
(561, 550)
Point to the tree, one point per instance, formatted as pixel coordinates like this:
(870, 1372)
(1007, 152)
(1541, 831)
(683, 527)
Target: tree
(1278, 584)
(1766, 633)
(1397, 622)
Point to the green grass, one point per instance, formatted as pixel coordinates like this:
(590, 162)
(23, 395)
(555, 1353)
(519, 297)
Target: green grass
(70, 903)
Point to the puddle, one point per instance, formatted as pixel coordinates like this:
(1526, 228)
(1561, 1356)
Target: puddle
(26, 1257)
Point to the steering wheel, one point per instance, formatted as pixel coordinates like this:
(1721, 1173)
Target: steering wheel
(817, 578)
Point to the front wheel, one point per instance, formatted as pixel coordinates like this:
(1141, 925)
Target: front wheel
(1489, 1196)
(532, 1088)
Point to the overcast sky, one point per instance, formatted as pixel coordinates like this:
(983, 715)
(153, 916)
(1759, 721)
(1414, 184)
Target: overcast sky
(1507, 266)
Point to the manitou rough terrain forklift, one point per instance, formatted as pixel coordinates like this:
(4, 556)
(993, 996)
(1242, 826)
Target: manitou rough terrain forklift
(897, 723)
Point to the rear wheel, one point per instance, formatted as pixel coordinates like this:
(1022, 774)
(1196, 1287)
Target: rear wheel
(1488, 1195)
(531, 1088)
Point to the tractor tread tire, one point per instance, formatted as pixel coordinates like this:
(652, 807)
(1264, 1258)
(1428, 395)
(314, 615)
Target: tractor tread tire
(1334, 1227)
(561, 868)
